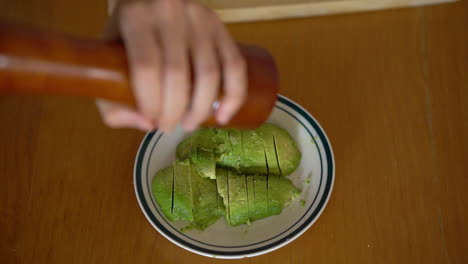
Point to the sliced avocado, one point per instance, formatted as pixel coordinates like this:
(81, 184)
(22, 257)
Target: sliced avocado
(274, 203)
(223, 190)
(222, 138)
(162, 188)
(287, 152)
(250, 187)
(266, 133)
(204, 138)
(232, 158)
(210, 139)
(249, 179)
(281, 192)
(183, 203)
(238, 205)
(241, 149)
(204, 162)
(253, 161)
(261, 197)
(221, 206)
(205, 200)
(287, 192)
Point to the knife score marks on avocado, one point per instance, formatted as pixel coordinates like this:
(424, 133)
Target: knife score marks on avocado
(239, 174)
(205, 200)
(254, 153)
(194, 198)
(261, 197)
(227, 147)
(249, 181)
(238, 204)
(204, 162)
(279, 142)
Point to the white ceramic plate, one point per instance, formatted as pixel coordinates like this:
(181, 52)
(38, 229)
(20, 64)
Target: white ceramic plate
(314, 176)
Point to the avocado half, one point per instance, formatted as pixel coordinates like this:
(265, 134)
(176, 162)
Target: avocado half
(238, 174)
(267, 150)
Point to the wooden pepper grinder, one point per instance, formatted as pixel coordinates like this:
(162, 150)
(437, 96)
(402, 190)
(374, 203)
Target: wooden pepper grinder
(42, 63)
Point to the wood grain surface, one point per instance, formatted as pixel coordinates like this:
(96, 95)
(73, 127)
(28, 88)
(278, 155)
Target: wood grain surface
(390, 89)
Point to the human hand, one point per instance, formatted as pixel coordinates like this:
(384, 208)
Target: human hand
(164, 38)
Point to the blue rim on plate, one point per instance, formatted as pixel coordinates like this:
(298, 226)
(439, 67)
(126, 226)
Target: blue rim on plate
(328, 180)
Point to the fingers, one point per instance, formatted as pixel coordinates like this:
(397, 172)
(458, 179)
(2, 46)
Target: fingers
(206, 68)
(234, 76)
(160, 36)
(144, 58)
(118, 116)
(172, 33)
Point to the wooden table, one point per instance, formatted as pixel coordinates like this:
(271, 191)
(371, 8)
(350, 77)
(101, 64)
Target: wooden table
(390, 88)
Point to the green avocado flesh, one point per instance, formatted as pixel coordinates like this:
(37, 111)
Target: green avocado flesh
(253, 160)
(162, 188)
(238, 174)
(260, 198)
(238, 204)
(183, 194)
(274, 204)
(204, 163)
(249, 181)
(205, 201)
(222, 184)
(182, 200)
(289, 156)
(281, 150)
(209, 139)
(267, 134)
(268, 149)
(232, 158)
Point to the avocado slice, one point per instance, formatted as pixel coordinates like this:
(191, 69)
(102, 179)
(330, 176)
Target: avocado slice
(204, 162)
(233, 157)
(261, 197)
(287, 152)
(204, 138)
(253, 160)
(183, 203)
(251, 185)
(249, 180)
(200, 139)
(162, 187)
(205, 200)
(221, 207)
(238, 204)
(289, 155)
(223, 190)
(281, 192)
(210, 139)
(266, 133)
(287, 192)
(222, 138)
(241, 149)
(274, 204)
